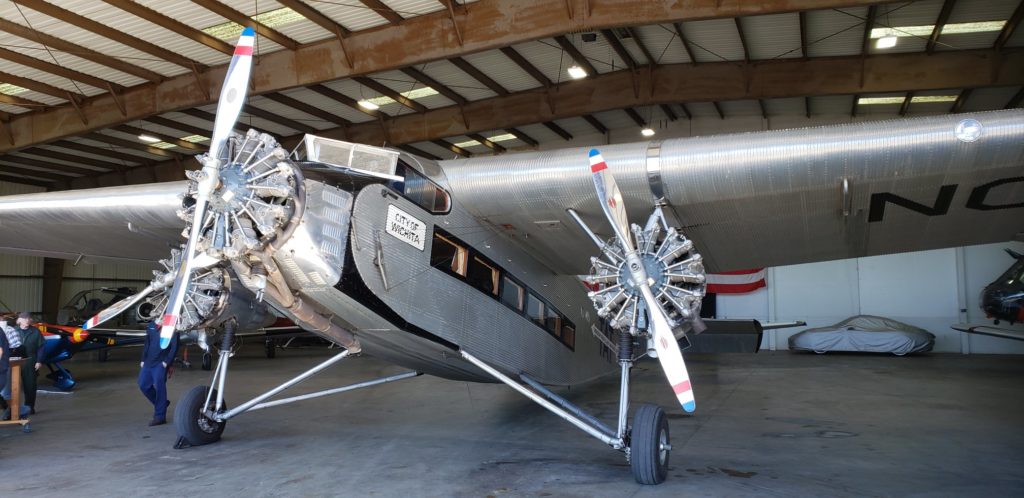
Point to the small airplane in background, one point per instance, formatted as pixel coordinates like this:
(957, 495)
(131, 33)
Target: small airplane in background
(1003, 301)
(467, 269)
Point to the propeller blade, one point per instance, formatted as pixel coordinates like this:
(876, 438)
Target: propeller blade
(611, 199)
(232, 96)
(118, 308)
(669, 355)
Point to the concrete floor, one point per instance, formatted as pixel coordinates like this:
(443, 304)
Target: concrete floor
(771, 424)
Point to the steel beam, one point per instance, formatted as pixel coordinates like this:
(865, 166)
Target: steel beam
(384, 49)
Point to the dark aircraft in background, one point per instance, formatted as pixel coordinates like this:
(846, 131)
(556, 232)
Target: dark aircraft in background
(1003, 301)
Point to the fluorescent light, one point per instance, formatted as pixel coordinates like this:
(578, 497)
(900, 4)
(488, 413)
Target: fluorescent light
(467, 143)
(366, 104)
(886, 42)
(948, 29)
(920, 99)
(411, 94)
(149, 139)
(576, 72)
(647, 132)
(9, 89)
(195, 139)
(504, 137)
(271, 19)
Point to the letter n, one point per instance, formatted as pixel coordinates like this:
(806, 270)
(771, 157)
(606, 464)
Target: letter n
(877, 210)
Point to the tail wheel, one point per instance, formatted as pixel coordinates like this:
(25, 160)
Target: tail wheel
(649, 446)
(190, 420)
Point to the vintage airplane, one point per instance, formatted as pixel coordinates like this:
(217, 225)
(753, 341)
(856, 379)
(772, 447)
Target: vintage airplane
(466, 269)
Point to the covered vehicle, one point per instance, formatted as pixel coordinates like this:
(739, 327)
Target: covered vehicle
(865, 333)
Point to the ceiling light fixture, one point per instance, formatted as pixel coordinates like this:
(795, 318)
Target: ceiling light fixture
(647, 132)
(149, 139)
(576, 72)
(366, 104)
(886, 42)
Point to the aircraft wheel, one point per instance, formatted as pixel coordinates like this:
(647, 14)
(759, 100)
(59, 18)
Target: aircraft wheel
(649, 445)
(207, 361)
(190, 421)
(271, 348)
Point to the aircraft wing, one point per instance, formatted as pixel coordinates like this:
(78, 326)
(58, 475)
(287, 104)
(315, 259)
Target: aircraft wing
(772, 198)
(134, 222)
(1017, 335)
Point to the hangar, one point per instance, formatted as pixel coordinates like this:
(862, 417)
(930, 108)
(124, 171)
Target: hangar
(418, 191)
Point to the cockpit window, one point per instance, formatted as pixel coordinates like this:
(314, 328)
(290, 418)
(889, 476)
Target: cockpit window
(425, 193)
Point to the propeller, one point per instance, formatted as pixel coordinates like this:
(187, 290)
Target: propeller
(659, 324)
(232, 96)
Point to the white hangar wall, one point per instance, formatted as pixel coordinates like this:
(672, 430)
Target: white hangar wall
(928, 289)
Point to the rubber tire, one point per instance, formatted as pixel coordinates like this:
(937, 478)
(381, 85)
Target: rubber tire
(186, 418)
(649, 463)
(207, 361)
(270, 348)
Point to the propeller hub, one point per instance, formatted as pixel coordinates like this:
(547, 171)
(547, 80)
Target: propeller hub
(666, 262)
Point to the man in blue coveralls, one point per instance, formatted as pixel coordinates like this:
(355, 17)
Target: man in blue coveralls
(153, 377)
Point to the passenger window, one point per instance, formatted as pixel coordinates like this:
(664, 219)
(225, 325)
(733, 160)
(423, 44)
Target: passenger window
(483, 276)
(552, 322)
(512, 294)
(568, 334)
(534, 309)
(446, 254)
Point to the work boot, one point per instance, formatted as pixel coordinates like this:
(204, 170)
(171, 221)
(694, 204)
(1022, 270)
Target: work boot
(157, 421)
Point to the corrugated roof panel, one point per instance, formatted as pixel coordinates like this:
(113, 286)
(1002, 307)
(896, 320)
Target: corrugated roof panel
(452, 77)
(773, 37)
(921, 13)
(714, 40)
(163, 130)
(73, 34)
(290, 113)
(42, 98)
(350, 14)
(84, 155)
(785, 107)
(982, 10)
(632, 46)
(330, 105)
(50, 79)
(966, 41)
(541, 134)
(547, 57)
(740, 108)
(358, 92)
(663, 43)
(13, 109)
(437, 150)
(1017, 39)
(475, 149)
(988, 99)
(501, 69)
(413, 8)
(575, 126)
(143, 156)
(33, 49)
(835, 32)
(615, 120)
(401, 82)
(200, 18)
(152, 33)
(831, 105)
(598, 52)
(52, 160)
(702, 109)
(110, 132)
(301, 30)
(278, 130)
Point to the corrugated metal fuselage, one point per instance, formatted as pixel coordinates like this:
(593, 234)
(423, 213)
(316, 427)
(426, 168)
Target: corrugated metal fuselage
(411, 313)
